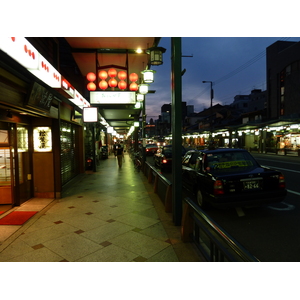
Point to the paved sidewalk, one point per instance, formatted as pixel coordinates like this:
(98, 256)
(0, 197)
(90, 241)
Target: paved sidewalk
(111, 215)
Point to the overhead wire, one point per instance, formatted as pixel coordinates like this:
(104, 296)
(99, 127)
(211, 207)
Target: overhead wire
(239, 69)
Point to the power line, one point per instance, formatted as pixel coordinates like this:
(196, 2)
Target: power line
(239, 69)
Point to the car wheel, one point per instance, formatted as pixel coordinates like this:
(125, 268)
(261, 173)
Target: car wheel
(201, 202)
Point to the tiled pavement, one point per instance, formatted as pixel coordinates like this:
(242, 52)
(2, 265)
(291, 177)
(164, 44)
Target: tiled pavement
(111, 215)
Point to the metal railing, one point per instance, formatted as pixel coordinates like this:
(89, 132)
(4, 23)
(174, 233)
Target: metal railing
(213, 242)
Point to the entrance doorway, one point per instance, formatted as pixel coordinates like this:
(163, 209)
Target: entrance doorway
(6, 178)
(15, 166)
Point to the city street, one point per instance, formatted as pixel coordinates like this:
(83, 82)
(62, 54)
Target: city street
(271, 232)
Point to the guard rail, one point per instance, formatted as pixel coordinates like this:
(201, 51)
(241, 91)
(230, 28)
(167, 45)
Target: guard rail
(213, 242)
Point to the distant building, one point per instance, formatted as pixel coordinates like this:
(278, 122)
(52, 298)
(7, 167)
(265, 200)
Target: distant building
(241, 103)
(256, 108)
(283, 78)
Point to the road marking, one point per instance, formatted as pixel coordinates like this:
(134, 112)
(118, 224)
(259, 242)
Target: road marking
(282, 169)
(293, 192)
(240, 211)
(288, 207)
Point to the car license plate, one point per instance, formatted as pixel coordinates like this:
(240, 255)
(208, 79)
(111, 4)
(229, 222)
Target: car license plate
(250, 185)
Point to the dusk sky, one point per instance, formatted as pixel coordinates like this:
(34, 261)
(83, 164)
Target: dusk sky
(236, 65)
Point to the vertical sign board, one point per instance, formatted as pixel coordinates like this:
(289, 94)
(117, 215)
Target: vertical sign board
(90, 114)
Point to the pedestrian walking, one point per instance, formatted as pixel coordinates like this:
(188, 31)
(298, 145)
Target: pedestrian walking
(120, 154)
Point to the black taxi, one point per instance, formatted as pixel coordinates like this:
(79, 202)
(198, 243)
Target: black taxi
(228, 177)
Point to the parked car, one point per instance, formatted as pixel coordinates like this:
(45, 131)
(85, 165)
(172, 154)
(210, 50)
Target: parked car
(151, 149)
(163, 157)
(230, 177)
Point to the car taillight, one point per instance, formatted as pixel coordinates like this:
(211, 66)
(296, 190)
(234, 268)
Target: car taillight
(164, 161)
(281, 181)
(218, 188)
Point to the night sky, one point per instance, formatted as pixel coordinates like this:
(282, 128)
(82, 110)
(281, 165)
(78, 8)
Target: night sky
(236, 65)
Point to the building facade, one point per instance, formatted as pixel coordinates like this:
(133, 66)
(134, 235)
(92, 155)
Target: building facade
(283, 78)
(41, 138)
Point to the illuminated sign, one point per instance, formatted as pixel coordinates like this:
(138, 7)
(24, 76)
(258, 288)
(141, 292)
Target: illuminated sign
(42, 139)
(21, 51)
(79, 100)
(123, 97)
(90, 114)
(26, 55)
(47, 73)
(67, 87)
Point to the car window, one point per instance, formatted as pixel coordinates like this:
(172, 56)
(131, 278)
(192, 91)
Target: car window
(229, 162)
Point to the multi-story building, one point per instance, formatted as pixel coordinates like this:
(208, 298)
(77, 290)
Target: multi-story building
(283, 77)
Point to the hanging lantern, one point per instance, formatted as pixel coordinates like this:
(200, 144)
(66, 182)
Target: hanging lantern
(133, 86)
(133, 77)
(156, 55)
(102, 75)
(103, 85)
(143, 88)
(112, 73)
(122, 75)
(91, 76)
(148, 76)
(112, 82)
(122, 85)
(140, 97)
(91, 86)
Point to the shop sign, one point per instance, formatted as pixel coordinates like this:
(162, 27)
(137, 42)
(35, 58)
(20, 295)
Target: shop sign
(42, 139)
(79, 100)
(67, 87)
(109, 97)
(26, 55)
(40, 97)
(90, 114)
(20, 50)
(46, 72)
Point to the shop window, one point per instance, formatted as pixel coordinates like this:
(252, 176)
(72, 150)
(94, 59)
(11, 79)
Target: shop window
(69, 159)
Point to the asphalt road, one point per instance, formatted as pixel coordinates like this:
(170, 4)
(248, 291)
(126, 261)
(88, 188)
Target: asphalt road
(271, 232)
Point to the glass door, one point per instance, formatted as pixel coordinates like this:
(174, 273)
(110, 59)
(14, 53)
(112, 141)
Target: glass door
(6, 196)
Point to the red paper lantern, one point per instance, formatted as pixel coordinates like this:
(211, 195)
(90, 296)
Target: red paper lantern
(122, 85)
(102, 75)
(112, 82)
(91, 76)
(112, 73)
(133, 77)
(103, 85)
(91, 86)
(133, 86)
(122, 75)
